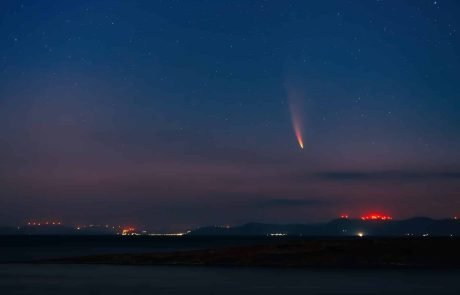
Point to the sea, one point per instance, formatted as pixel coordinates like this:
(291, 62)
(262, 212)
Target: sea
(21, 274)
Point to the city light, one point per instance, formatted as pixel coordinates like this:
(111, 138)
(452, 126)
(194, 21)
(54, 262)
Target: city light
(128, 231)
(179, 234)
(376, 217)
(277, 234)
(43, 223)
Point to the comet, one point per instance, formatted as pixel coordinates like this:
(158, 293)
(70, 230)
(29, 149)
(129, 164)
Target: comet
(295, 108)
(297, 125)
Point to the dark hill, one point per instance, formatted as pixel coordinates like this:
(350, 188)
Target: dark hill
(420, 226)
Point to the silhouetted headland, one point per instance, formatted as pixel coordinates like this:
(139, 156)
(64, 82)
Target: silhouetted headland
(327, 253)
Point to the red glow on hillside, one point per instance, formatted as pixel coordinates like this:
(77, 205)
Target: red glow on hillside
(344, 216)
(376, 217)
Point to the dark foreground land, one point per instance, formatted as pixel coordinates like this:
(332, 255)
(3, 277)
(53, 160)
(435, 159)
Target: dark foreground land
(327, 253)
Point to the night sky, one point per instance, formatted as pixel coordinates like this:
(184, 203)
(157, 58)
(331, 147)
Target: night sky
(175, 114)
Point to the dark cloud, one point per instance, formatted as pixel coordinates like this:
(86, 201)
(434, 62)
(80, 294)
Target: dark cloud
(386, 175)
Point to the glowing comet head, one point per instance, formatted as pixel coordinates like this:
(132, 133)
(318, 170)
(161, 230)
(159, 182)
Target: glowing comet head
(298, 132)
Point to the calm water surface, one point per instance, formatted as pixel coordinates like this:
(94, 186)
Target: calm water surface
(92, 279)
(32, 248)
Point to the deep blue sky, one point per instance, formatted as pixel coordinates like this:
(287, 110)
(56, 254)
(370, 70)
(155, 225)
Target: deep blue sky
(173, 114)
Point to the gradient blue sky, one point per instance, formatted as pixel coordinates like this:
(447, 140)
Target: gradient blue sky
(173, 114)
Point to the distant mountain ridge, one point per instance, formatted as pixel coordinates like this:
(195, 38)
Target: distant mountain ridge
(418, 226)
(342, 227)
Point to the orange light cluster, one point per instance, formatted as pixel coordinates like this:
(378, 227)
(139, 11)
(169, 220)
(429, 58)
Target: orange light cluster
(376, 217)
(127, 231)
